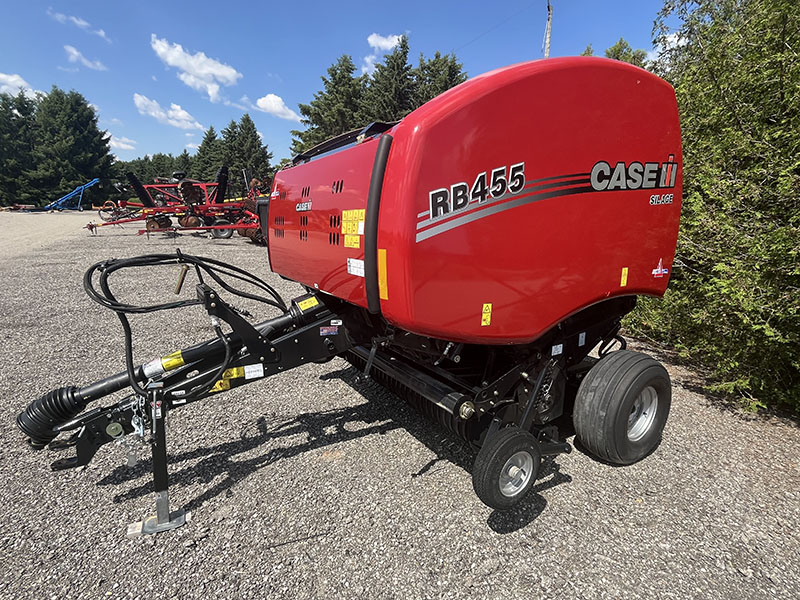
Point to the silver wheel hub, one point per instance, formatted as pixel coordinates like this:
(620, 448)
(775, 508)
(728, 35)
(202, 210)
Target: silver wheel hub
(643, 414)
(516, 473)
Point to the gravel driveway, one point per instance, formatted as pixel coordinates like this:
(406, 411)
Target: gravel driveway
(311, 485)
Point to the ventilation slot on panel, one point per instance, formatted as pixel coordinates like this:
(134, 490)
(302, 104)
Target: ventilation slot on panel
(303, 228)
(336, 186)
(278, 233)
(333, 239)
(305, 192)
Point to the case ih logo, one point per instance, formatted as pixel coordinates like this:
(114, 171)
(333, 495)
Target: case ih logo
(633, 176)
(506, 188)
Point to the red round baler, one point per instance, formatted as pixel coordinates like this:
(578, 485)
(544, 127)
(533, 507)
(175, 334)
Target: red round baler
(476, 257)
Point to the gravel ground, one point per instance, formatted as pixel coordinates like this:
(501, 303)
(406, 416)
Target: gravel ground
(311, 485)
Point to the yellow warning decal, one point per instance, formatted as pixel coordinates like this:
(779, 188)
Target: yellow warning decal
(172, 361)
(623, 280)
(308, 303)
(356, 214)
(350, 227)
(352, 241)
(221, 385)
(233, 373)
(486, 315)
(383, 290)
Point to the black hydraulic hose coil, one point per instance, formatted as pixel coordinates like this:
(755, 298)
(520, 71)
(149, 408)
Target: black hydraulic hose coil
(43, 414)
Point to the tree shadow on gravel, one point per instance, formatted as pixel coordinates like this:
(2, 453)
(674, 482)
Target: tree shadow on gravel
(319, 430)
(381, 413)
(450, 448)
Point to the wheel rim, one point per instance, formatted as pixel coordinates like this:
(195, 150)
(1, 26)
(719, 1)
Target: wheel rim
(643, 414)
(516, 474)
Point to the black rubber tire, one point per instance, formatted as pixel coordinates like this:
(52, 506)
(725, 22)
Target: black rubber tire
(221, 234)
(491, 459)
(604, 402)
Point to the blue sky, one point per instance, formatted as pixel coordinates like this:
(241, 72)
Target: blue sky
(160, 73)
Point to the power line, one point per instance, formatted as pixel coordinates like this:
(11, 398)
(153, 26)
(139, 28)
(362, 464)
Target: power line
(503, 22)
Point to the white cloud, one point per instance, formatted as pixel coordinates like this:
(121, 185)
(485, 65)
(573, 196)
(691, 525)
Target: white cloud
(381, 42)
(74, 56)
(260, 135)
(189, 134)
(78, 22)
(193, 146)
(275, 106)
(13, 84)
(175, 115)
(378, 43)
(671, 41)
(122, 143)
(198, 71)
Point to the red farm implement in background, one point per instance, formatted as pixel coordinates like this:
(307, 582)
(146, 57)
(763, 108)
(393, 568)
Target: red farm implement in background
(196, 206)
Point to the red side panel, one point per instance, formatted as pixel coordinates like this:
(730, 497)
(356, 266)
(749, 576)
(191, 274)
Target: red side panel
(316, 222)
(509, 202)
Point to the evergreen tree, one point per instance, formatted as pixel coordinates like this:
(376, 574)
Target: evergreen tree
(588, 51)
(161, 165)
(17, 141)
(391, 92)
(70, 148)
(183, 162)
(252, 153)
(334, 109)
(436, 76)
(243, 149)
(622, 51)
(230, 142)
(209, 157)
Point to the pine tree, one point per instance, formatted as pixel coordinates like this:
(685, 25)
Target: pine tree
(334, 109)
(162, 165)
(436, 76)
(17, 141)
(209, 157)
(252, 152)
(230, 141)
(183, 162)
(70, 148)
(588, 51)
(391, 92)
(243, 149)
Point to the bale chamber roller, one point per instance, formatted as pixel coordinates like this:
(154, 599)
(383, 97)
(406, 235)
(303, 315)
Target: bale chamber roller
(469, 257)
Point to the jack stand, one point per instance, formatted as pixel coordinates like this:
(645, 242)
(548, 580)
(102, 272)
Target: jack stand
(163, 520)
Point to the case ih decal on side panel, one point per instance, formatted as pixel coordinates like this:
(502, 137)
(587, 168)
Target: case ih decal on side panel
(459, 199)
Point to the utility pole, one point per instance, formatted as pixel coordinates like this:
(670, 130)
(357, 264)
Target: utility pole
(547, 30)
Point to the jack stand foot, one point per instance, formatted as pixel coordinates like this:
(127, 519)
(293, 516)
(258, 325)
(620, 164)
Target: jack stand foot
(151, 525)
(163, 520)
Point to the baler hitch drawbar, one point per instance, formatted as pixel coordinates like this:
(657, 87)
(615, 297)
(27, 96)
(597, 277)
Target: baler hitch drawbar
(246, 354)
(503, 401)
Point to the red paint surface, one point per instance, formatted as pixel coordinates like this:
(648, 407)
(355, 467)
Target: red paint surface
(536, 263)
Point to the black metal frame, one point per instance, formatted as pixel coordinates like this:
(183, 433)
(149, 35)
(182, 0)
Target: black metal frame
(530, 393)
